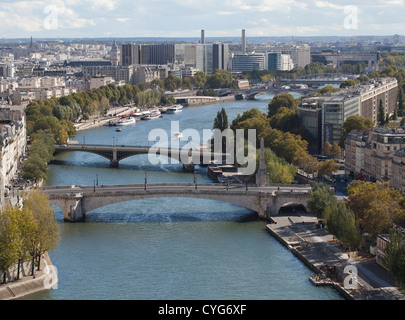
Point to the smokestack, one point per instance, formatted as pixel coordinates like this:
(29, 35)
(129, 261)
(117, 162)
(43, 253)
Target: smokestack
(202, 37)
(243, 42)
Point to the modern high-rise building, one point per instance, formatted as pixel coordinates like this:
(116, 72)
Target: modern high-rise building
(361, 100)
(129, 54)
(220, 56)
(248, 62)
(202, 37)
(300, 54)
(274, 61)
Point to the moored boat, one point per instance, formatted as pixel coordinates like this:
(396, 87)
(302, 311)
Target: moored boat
(175, 109)
(153, 115)
(125, 121)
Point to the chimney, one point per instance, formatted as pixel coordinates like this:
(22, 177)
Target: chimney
(243, 42)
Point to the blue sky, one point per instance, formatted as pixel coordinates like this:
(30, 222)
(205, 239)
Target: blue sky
(185, 18)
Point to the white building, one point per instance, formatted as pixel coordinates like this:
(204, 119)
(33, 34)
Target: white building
(13, 142)
(100, 81)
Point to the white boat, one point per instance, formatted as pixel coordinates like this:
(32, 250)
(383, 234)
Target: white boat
(125, 121)
(175, 109)
(152, 116)
(118, 129)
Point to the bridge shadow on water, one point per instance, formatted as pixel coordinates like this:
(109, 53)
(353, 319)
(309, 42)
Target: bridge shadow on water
(123, 166)
(158, 217)
(167, 210)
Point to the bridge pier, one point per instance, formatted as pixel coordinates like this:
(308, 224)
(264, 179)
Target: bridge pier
(71, 206)
(188, 167)
(114, 163)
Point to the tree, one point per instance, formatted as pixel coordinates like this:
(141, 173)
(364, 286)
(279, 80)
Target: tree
(335, 151)
(306, 162)
(10, 239)
(394, 255)
(285, 120)
(27, 228)
(220, 79)
(47, 234)
(354, 123)
(326, 168)
(381, 114)
(279, 170)
(328, 89)
(341, 222)
(34, 168)
(377, 206)
(326, 148)
(320, 197)
(221, 123)
(281, 100)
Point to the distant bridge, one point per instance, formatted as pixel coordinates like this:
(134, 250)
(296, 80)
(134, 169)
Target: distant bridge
(75, 201)
(319, 79)
(116, 153)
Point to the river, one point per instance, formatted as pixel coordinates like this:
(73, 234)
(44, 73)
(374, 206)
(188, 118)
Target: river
(168, 248)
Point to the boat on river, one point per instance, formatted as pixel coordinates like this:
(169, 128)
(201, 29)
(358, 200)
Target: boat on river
(152, 115)
(125, 121)
(175, 109)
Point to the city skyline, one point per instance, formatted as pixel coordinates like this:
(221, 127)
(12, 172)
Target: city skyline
(186, 18)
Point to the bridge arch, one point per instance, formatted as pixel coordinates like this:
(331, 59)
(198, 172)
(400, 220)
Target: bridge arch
(75, 201)
(116, 155)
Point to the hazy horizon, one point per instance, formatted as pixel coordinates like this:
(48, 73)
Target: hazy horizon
(63, 19)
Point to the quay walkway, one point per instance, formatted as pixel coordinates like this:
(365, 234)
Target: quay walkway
(316, 248)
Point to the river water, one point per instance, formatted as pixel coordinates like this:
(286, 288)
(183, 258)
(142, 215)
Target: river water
(168, 248)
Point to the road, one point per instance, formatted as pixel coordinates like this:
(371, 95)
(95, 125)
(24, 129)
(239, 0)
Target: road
(161, 187)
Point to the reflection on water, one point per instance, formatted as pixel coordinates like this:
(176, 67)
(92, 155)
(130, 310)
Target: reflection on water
(168, 248)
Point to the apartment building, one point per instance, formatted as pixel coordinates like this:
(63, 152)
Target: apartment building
(377, 154)
(12, 147)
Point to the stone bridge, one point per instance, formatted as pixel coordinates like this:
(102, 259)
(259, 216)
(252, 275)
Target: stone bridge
(116, 153)
(76, 201)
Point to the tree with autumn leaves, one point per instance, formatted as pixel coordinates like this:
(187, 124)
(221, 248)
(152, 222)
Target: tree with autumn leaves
(27, 233)
(377, 206)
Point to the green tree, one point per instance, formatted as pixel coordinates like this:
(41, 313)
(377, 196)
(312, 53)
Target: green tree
(34, 168)
(377, 206)
(341, 222)
(280, 172)
(47, 234)
(10, 239)
(326, 168)
(328, 89)
(285, 100)
(394, 255)
(221, 123)
(381, 114)
(354, 123)
(320, 197)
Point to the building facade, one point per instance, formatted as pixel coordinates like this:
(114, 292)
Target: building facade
(13, 143)
(377, 155)
(248, 62)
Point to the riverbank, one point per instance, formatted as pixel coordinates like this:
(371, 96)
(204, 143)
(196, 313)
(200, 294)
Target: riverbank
(44, 279)
(118, 111)
(318, 250)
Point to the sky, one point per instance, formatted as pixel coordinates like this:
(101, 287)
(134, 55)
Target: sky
(186, 18)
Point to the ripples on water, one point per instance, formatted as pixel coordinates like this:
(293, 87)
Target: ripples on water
(168, 248)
